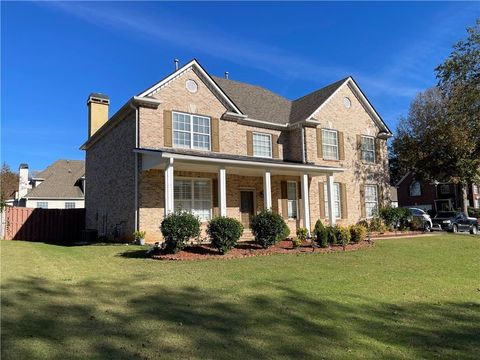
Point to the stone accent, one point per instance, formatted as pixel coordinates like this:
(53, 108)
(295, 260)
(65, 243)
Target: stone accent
(110, 174)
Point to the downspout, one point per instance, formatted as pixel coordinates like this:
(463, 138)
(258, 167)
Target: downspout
(304, 160)
(136, 167)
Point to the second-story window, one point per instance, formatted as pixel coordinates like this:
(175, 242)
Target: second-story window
(262, 145)
(191, 131)
(368, 149)
(330, 144)
(415, 189)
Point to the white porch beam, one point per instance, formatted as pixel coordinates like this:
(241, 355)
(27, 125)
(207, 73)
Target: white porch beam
(331, 205)
(267, 189)
(169, 206)
(222, 191)
(306, 202)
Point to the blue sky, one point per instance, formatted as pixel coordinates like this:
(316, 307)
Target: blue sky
(55, 54)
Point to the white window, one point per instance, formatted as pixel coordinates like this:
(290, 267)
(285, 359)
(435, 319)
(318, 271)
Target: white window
(477, 203)
(193, 195)
(262, 145)
(292, 199)
(371, 200)
(475, 189)
(368, 149)
(330, 144)
(191, 131)
(69, 205)
(42, 204)
(444, 189)
(336, 200)
(415, 188)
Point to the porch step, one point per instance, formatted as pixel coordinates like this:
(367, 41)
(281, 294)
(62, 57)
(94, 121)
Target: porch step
(247, 235)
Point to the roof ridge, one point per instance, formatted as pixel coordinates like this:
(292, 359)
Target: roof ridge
(253, 85)
(322, 88)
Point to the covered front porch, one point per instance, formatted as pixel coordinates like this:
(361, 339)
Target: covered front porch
(221, 185)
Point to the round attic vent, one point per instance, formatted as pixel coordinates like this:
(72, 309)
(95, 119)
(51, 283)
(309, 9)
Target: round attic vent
(191, 86)
(346, 102)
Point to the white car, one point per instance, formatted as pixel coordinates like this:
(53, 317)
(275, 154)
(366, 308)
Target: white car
(424, 217)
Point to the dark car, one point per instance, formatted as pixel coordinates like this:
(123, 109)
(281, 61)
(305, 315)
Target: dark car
(455, 222)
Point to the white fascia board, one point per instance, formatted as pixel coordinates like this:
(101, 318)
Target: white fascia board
(365, 102)
(402, 179)
(184, 68)
(217, 161)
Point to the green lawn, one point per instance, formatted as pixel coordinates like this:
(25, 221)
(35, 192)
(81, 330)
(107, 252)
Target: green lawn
(402, 299)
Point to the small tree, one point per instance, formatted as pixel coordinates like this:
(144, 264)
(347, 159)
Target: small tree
(177, 228)
(321, 235)
(268, 228)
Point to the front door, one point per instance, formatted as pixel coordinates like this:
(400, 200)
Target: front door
(246, 207)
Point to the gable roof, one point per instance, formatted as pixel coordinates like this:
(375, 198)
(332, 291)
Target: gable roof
(60, 181)
(305, 106)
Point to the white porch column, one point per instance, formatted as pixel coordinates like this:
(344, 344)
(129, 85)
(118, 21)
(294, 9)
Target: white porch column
(222, 191)
(267, 189)
(331, 205)
(306, 202)
(169, 206)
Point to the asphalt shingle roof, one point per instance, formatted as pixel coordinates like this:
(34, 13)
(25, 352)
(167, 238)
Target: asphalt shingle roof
(60, 180)
(262, 104)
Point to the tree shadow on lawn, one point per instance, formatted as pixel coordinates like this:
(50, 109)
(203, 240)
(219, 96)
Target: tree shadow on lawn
(113, 319)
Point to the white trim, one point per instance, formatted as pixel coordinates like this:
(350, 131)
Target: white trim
(257, 164)
(192, 64)
(191, 132)
(169, 196)
(267, 190)
(337, 144)
(253, 144)
(306, 202)
(374, 149)
(331, 204)
(402, 179)
(222, 191)
(376, 117)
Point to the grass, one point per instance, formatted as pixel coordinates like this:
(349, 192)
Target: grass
(402, 299)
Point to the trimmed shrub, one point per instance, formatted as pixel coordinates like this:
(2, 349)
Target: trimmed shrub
(358, 233)
(343, 235)
(224, 233)
(177, 228)
(268, 228)
(331, 235)
(296, 242)
(321, 235)
(302, 233)
(286, 232)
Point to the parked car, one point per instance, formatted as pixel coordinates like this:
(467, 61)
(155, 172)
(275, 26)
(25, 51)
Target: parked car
(455, 222)
(423, 217)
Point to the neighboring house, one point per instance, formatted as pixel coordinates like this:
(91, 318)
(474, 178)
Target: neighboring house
(219, 147)
(427, 195)
(60, 186)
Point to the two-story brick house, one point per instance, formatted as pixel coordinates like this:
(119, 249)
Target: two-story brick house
(219, 147)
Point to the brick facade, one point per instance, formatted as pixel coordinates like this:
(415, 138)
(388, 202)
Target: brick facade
(110, 199)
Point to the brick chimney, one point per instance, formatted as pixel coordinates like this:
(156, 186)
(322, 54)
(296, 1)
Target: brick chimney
(97, 112)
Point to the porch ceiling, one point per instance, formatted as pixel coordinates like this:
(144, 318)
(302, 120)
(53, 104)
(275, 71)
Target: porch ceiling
(158, 159)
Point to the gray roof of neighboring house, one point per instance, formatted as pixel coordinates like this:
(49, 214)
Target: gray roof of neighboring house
(262, 104)
(61, 180)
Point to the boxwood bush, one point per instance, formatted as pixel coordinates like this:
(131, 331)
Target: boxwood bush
(224, 233)
(358, 233)
(177, 228)
(321, 235)
(302, 233)
(268, 228)
(331, 235)
(343, 235)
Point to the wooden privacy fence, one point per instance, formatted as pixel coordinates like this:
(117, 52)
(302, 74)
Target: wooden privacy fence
(48, 225)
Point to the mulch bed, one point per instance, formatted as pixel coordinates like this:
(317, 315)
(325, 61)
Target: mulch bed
(250, 249)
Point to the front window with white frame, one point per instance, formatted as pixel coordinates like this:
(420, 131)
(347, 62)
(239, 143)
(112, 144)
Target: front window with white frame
(336, 200)
(193, 195)
(371, 200)
(191, 131)
(415, 188)
(42, 204)
(292, 199)
(368, 149)
(330, 144)
(262, 145)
